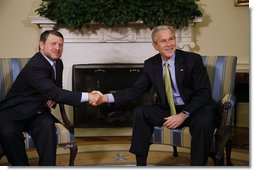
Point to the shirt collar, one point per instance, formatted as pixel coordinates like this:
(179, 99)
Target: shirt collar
(171, 61)
(49, 60)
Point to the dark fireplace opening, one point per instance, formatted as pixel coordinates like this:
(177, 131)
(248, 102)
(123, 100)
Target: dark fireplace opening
(107, 78)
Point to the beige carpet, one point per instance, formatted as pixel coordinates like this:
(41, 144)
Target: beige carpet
(118, 155)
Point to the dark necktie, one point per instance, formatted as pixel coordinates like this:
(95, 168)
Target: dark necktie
(54, 69)
(168, 87)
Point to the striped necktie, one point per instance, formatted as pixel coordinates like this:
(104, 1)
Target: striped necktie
(168, 87)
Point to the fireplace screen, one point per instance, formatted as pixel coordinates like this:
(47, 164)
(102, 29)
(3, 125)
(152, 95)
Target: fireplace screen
(107, 78)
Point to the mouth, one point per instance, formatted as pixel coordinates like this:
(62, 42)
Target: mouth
(57, 53)
(169, 49)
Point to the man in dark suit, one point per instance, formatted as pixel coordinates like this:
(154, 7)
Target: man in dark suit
(27, 104)
(191, 95)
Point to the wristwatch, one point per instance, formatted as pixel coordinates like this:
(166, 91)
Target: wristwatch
(187, 114)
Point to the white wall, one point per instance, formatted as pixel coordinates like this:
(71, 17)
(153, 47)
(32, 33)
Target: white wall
(224, 30)
(18, 37)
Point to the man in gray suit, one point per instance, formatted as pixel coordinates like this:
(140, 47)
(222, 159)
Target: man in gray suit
(26, 106)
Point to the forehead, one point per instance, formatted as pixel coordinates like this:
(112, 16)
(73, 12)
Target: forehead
(54, 38)
(165, 33)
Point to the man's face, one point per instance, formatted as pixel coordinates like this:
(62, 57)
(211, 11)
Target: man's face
(53, 47)
(165, 43)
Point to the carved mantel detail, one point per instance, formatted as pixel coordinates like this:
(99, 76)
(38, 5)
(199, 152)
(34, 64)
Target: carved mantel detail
(135, 33)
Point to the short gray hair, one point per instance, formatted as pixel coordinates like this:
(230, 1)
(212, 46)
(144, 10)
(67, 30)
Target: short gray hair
(159, 28)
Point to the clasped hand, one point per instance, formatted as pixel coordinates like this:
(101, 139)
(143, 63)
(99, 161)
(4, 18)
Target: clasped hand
(96, 98)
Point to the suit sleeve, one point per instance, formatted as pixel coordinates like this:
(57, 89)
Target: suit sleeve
(39, 78)
(200, 90)
(142, 85)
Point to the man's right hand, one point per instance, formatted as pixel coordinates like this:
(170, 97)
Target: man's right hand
(96, 98)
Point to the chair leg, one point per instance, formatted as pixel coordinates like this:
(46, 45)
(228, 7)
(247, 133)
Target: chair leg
(1, 156)
(175, 153)
(73, 152)
(219, 159)
(212, 155)
(228, 152)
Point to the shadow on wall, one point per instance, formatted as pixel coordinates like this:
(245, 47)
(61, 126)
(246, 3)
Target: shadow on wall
(206, 20)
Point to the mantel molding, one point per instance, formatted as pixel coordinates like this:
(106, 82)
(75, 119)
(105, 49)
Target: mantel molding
(134, 33)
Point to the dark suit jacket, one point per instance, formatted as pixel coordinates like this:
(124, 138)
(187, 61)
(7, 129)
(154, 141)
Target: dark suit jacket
(33, 86)
(191, 77)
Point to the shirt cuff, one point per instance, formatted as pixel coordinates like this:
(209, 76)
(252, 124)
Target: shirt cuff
(187, 114)
(84, 97)
(111, 98)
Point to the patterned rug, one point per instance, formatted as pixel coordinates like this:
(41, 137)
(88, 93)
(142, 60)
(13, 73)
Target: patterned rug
(118, 155)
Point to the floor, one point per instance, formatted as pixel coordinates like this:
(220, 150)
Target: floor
(240, 139)
(240, 146)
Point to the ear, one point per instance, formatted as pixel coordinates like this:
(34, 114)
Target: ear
(41, 44)
(155, 46)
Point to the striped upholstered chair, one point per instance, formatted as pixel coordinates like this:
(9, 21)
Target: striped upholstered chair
(9, 69)
(221, 71)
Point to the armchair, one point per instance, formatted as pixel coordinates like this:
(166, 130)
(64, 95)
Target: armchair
(9, 69)
(221, 71)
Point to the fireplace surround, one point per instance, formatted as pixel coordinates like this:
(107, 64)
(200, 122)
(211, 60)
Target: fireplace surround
(107, 78)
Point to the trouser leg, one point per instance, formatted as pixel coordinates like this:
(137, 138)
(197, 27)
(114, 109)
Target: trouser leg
(144, 120)
(202, 126)
(43, 133)
(12, 141)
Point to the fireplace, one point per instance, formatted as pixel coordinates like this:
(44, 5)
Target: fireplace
(107, 78)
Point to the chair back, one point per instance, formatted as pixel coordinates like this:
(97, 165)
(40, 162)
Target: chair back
(221, 71)
(9, 70)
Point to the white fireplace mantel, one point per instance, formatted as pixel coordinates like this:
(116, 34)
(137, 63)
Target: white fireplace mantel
(136, 33)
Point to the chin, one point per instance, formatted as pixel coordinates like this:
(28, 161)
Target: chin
(169, 55)
(55, 57)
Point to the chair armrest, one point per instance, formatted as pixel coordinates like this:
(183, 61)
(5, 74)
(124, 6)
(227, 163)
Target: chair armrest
(66, 121)
(226, 108)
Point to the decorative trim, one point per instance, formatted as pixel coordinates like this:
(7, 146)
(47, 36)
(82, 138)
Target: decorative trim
(241, 2)
(242, 67)
(134, 33)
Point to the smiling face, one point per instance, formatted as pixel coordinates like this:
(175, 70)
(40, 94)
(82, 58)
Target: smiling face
(165, 43)
(52, 47)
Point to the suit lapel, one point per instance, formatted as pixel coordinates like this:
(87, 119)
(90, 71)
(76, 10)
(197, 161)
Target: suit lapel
(179, 69)
(58, 73)
(58, 80)
(50, 68)
(159, 79)
(52, 74)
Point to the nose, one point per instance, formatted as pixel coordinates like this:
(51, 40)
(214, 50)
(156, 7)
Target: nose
(58, 46)
(168, 42)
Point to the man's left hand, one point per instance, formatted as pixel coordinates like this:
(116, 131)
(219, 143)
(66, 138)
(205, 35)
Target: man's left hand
(50, 103)
(174, 121)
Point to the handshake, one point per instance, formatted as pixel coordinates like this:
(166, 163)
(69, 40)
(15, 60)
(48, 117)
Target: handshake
(96, 98)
